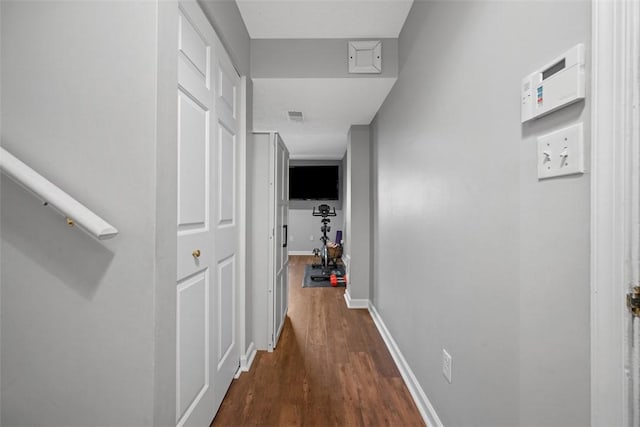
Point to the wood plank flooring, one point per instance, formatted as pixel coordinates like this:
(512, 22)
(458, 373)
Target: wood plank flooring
(331, 368)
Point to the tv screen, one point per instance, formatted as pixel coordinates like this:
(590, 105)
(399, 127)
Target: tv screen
(314, 182)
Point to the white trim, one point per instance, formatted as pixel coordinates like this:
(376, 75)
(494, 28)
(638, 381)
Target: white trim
(242, 219)
(419, 397)
(614, 142)
(246, 360)
(355, 303)
(298, 253)
(271, 278)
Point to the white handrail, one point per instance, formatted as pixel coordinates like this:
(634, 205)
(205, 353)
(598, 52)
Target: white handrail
(75, 212)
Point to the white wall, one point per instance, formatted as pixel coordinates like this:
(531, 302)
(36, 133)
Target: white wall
(473, 253)
(303, 225)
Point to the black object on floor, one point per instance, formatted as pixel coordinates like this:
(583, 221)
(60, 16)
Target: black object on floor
(309, 271)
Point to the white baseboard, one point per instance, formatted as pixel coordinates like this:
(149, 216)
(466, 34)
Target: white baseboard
(246, 360)
(309, 252)
(355, 303)
(345, 258)
(419, 397)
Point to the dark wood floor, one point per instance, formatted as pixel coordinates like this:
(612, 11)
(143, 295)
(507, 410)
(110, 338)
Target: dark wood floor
(331, 368)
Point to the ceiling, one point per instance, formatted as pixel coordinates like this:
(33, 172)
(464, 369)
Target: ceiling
(323, 19)
(330, 105)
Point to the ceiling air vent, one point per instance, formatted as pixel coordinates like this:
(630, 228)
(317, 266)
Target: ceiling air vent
(365, 57)
(295, 116)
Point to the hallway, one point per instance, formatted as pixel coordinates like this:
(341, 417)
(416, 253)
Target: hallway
(331, 367)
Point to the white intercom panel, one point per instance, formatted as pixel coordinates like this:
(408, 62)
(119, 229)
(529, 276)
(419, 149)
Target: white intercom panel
(559, 83)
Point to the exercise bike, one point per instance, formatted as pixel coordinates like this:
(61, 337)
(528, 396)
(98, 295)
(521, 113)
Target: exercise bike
(326, 270)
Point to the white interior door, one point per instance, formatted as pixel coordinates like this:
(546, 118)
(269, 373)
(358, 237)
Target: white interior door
(281, 251)
(206, 350)
(226, 224)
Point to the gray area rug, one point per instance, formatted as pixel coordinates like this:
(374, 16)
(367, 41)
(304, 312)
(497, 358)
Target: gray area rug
(309, 272)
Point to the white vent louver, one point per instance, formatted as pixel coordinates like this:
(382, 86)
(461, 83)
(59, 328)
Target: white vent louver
(365, 57)
(296, 116)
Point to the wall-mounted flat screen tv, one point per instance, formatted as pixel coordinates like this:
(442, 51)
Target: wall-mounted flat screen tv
(314, 182)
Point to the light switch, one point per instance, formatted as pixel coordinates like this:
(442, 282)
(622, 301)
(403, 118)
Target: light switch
(561, 152)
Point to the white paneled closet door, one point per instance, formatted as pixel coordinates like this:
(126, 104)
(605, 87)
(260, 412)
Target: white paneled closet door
(207, 353)
(281, 270)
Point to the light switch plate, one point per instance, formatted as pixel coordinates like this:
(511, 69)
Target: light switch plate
(561, 152)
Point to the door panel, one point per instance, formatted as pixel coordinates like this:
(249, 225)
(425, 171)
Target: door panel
(226, 312)
(193, 341)
(227, 91)
(193, 346)
(227, 174)
(228, 83)
(193, 174)
(226, 228)
(192, 45)
(206, 350)
(191, 80)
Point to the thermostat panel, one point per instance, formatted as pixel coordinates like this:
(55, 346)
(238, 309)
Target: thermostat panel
(559, 83)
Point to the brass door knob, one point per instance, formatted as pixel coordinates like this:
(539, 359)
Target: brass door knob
(196, 253)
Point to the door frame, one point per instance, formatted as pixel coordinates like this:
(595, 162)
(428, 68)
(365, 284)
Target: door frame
(615, 194)
(246, 353)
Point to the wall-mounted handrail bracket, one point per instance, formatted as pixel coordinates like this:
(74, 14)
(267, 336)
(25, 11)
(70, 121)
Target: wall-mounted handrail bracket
(51, 195)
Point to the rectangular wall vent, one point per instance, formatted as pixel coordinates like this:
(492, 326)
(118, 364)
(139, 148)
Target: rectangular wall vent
(296, 116)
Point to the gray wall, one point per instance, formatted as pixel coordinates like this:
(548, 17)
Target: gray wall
(165, 298)
(473, 253)
(326, 58)
(225, 18)
(80, 105)
(90, 325)
(357, 215)
(303, 225)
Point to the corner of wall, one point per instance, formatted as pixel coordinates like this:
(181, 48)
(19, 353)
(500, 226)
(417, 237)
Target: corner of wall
(166, 217)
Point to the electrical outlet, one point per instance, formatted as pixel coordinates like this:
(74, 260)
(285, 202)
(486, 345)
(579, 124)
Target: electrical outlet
(311, 237)
(446, 365)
